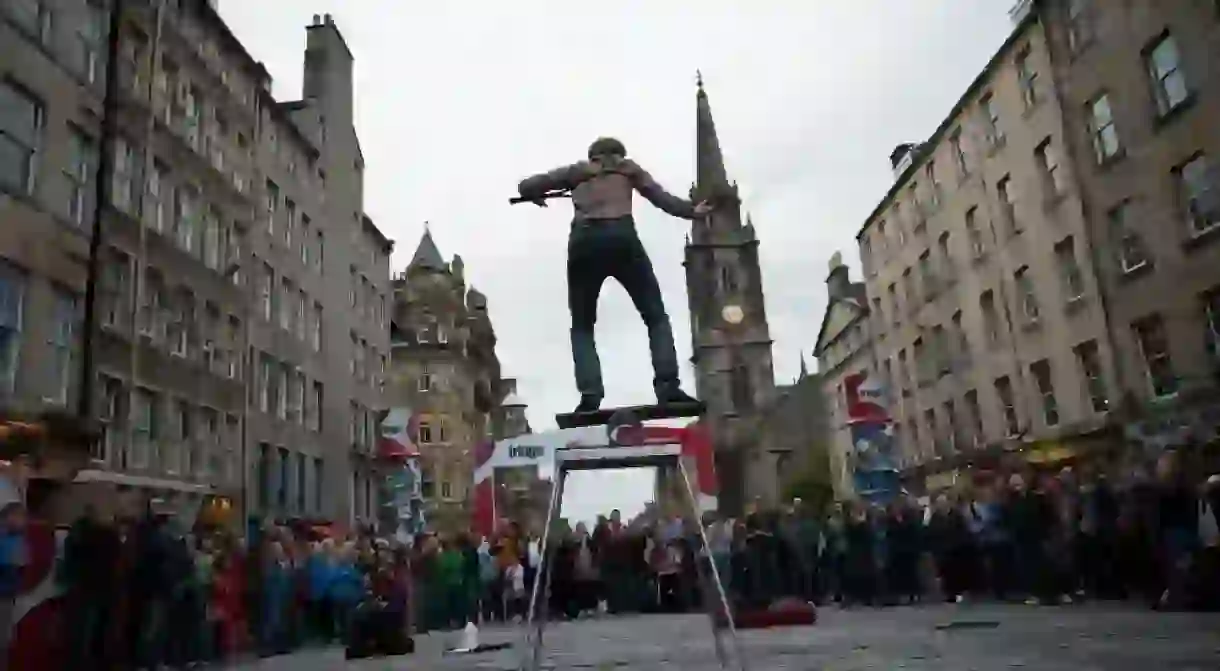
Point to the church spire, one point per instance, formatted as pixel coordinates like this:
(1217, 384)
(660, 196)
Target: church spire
(709, 162)
(804, 368)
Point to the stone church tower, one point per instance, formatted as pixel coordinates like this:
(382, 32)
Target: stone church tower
(730, 339)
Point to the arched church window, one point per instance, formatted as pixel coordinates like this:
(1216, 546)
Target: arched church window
(728, 280)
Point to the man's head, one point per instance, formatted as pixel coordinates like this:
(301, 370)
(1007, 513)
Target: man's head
(607, 147)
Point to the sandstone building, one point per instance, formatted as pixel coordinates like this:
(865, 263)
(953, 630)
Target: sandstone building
(444, 369)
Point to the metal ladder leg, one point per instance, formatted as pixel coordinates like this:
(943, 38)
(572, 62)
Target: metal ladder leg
(713, 573)
(537, 616)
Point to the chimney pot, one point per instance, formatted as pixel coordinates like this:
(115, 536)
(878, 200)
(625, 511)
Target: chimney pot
(317, 20)
(329, 21)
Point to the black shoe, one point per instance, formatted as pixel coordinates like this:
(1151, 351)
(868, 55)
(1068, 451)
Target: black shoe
(588, 404)
(674, 396)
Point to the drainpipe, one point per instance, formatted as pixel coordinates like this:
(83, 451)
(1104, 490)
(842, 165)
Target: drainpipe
(101, 202)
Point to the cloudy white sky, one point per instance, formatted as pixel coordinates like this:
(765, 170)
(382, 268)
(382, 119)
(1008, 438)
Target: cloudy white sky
(457, 100)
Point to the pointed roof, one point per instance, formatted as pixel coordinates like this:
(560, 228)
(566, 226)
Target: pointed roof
(709, 160)
(804, 367)
(426, 253)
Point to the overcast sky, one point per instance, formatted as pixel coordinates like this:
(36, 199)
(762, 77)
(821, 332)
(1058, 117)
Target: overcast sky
(458, 100)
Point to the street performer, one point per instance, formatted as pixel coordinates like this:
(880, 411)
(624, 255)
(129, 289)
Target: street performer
(603, 243)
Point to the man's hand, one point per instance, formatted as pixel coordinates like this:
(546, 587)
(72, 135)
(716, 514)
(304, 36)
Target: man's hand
(703, 207)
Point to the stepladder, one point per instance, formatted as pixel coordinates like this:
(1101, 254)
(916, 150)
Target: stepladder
(626, 446)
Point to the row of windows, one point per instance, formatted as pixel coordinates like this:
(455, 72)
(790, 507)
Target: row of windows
(282, 390)
(288, 481)
(147, 429)
(957, 424)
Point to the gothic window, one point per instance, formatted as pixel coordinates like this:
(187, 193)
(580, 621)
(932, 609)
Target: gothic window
(728, 280)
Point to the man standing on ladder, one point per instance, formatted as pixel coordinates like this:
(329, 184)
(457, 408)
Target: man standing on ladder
(603, 243)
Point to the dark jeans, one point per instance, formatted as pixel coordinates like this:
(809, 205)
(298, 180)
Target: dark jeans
(598, 250)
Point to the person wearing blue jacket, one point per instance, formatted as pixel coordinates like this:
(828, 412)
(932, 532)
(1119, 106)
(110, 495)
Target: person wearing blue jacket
(319, 573)
(346, 590)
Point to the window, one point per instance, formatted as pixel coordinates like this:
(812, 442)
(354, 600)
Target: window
(1165, 71)
(961, 341)
(1048, 164)
(1199, 194)
(353, 290)
(186, 214)
(920, 360)
(123, 185)
(1154, 348)
(263, 386)
(299, 314)
(266, 284)
(929, 172)
(425, 432)
(315, 404)
(940, 350)
(959, 153)
(927, 276)
(211, 239)
(353, 367)
(287, 302)
(115, 290)
(908, 288)
(974, 415)
(34, 17)
(1027, 78)
(1089, 362)
(319, 251)
(446, 490)
(1106, 144)
(21, 121)
(143, 426)
(951, 427)
(1069, 269)
(1041, 372)
(425, 379)
(315, 337)
(991, 318)
(1080, 24)
(1008, 211)
(1128, 246)
(157, 210)
(728, 280)
(290, 221)
(946, 257)
(318, 484)
(262, 475)
(89, 43)
(306, 240)
(974, 233)
(1008, 407)
(272, 206)
(991, 120)
(281, 391)
(62, 343)
(892, 291)
(302, 488)
(284, 481)
(1026, 293)
(78, 174)
(12, 308)
(296, 397)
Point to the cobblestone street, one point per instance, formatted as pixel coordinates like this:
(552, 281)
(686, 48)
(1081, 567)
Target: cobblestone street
(940, 637)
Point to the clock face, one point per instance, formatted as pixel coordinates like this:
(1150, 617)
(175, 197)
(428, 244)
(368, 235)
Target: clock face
(733, 314)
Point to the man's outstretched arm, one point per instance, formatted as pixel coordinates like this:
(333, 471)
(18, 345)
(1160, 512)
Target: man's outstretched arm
(563, 178)
(657, 195)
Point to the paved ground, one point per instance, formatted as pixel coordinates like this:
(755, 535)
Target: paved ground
(941, 637)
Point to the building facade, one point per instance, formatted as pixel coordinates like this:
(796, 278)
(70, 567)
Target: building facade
(1141, 96)
(989, 328)
(844, 349)
(730, 338)
(444, 369)
(223, 329)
